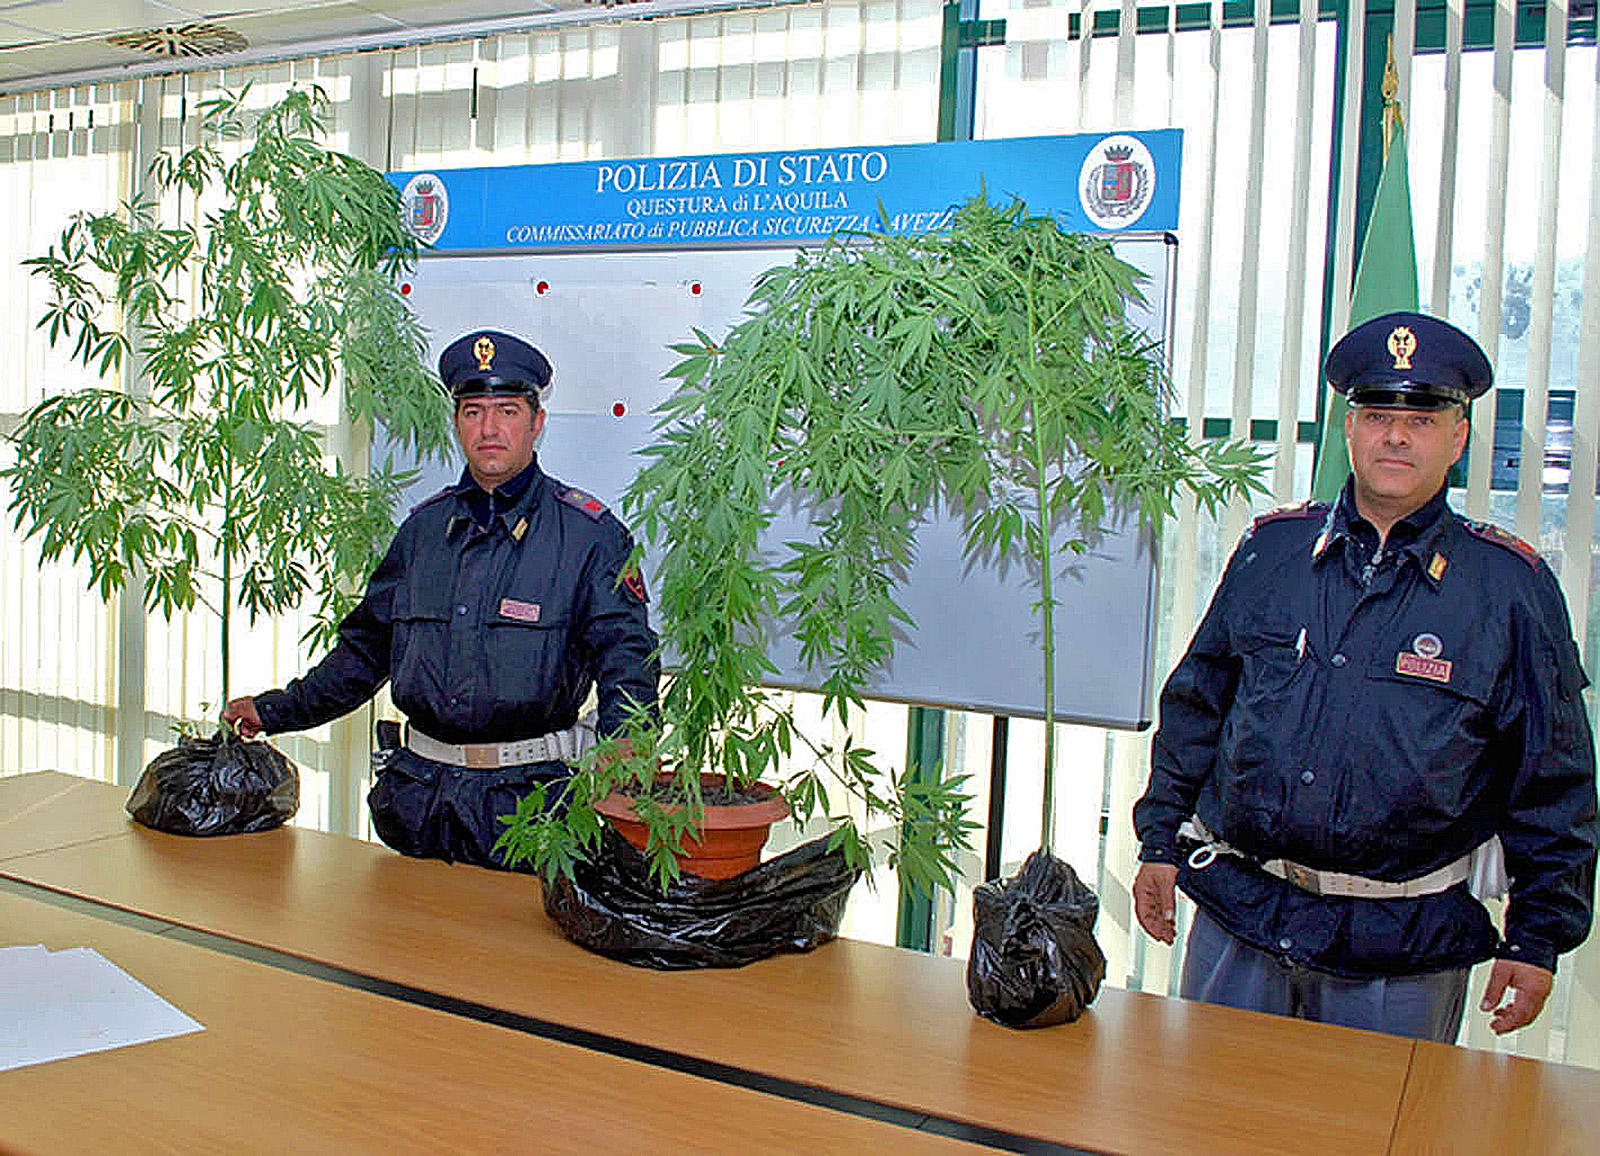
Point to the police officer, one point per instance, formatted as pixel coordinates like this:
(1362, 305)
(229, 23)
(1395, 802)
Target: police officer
(1381, 696)
(501, 602)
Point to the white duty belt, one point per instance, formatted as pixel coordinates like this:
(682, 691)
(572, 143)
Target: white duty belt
(565, 745)
(1337, 882)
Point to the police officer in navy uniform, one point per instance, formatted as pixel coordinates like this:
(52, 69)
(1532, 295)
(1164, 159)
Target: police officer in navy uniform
(501, 602)
(1381, 697)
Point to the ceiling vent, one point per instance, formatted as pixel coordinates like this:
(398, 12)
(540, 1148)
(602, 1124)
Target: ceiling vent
(187, 40)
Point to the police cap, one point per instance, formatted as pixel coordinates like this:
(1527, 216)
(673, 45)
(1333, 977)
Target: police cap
(488, 363)
(1408, 361)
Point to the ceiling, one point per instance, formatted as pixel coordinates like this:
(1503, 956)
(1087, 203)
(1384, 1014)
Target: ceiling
(48, 43)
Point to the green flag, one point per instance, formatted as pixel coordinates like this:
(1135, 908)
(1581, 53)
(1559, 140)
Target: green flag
(1386, 280)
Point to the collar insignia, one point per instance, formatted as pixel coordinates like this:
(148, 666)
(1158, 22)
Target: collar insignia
(1436, 566)
(1326, 536)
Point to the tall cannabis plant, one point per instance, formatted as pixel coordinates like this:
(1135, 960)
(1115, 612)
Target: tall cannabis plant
(990, 370)
(273, 282)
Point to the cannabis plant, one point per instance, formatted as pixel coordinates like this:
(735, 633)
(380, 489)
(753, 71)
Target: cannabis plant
(267, 280)
(990, 370)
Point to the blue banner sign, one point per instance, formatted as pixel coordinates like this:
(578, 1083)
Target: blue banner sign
(1093, 182)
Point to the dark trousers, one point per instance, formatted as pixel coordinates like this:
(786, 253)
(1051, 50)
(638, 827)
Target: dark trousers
(437, 811)
(1220, 968)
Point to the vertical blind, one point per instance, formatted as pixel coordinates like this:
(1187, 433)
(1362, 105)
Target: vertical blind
(57, 648)
(1270, 103)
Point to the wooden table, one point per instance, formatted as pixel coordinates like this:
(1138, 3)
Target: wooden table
(1461, 1102)
(291, 1064)
(885, 1025)
(874, 1022)
(45, 811)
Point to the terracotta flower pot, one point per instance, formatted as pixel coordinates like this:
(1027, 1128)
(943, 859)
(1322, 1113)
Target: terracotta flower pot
(731, 837)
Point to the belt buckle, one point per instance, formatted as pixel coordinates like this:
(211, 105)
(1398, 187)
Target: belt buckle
(482, 756)
(1303, 877)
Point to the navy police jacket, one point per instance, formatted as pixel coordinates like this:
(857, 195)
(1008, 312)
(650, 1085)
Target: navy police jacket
(1380, 712)
(491, 616)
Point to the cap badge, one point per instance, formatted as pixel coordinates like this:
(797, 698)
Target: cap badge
(1402, 344)
(483, 350)
(1427, 645)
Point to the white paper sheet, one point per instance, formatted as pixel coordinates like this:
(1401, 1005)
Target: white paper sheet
(55, 1004)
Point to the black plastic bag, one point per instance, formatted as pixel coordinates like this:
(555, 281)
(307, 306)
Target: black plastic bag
(791, 903)
(1034, 958)
(222, 785)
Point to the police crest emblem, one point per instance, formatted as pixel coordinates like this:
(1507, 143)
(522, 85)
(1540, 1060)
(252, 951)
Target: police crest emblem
(1116, 181)
(1427, 645)
(425, 207)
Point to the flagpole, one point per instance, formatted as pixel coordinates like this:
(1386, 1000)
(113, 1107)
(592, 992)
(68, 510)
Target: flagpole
(1386, 275)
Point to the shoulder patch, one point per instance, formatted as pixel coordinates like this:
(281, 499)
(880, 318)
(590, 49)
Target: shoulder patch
(1305, 509)
(1489, 532)
(632, 580)
(431, 499)
(582, 502)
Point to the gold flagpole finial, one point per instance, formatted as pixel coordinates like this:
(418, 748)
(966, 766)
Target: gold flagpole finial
(1392, 117)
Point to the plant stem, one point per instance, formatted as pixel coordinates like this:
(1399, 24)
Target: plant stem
(1047, 609)
(1047, 600)
(227, 553)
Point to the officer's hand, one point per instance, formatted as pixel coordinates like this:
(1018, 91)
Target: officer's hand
(241, 715)
(1530, 986)
(1155, 899)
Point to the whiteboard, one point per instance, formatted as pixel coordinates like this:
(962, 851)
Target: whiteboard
(605, 321)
